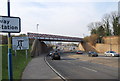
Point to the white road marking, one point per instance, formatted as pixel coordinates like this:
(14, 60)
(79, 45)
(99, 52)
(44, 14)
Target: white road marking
(68, 62)
(89, 69)
(63, 78)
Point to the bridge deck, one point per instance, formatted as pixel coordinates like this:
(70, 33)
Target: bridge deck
(48, 37)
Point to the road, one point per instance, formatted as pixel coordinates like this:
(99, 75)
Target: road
(73, 68)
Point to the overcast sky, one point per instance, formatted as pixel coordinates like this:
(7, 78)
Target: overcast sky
(59, 17)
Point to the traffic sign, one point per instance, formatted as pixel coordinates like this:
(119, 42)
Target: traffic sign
(20, 43)
(10, 24)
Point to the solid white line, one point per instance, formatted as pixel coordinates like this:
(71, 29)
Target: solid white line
(55, 70)
(89, 69)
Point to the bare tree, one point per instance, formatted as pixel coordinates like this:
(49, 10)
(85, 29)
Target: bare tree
(106, 24)
(115, 23)
(94, 26)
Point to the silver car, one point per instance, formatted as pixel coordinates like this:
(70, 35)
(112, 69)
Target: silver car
(51, 52)
(111, 53)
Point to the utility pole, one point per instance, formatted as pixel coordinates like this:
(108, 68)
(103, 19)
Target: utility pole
(10, 73)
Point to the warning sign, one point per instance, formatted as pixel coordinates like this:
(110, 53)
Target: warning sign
(20, 43)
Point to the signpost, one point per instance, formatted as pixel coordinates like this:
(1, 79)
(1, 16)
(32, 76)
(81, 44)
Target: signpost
(9, 25)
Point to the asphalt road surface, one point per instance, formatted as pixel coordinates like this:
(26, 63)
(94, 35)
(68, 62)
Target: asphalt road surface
(72, 68)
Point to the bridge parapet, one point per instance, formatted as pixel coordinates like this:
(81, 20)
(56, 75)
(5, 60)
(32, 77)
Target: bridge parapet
(48, 37)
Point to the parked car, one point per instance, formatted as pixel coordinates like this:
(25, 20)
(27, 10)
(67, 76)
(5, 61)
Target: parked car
(111, 53)
(56, 56)
(79, 52)
(92, 54)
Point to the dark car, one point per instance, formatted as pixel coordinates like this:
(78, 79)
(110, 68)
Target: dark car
(79, 52)
(93, 54)
(56, 56)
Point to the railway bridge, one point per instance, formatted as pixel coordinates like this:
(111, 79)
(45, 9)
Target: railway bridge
(39, 47)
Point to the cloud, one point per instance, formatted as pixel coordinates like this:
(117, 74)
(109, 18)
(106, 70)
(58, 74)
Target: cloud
(63, 18)
(18, 1)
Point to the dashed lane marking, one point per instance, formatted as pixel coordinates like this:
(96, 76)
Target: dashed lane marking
(89, 69)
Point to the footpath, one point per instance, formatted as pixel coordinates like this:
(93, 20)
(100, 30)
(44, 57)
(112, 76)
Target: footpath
(38, 69)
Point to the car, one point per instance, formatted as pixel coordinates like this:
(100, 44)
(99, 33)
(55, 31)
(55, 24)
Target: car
(111, 53)
(79, 52)
(92, 54)
(56, 56)
(50, 54)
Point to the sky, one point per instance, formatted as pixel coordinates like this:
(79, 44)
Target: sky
(59, 17)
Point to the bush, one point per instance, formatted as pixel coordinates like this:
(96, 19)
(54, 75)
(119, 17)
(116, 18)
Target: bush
(91, 39)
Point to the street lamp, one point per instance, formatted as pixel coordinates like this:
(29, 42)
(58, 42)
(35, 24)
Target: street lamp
(37, 27)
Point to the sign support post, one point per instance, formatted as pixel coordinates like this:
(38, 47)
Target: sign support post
(26, 54)
(10, 73)
(15, 52)
(10, 25)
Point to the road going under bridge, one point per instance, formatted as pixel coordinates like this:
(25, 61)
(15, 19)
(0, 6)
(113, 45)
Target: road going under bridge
(39, 47)
(49, 37)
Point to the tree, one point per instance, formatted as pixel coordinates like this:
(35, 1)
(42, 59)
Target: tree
(94, 26)
(93, 31)
(115, 23)
(22, 35)
(106, 24)
(91, 39)
(101, 31)
(4, 39)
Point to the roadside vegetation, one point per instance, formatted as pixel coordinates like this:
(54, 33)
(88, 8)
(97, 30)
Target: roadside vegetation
(108, 26)
(19, 63)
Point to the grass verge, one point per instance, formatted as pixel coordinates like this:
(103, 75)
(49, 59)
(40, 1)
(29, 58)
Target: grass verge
(19, 63)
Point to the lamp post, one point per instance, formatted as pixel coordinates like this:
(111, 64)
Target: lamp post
(37, 27)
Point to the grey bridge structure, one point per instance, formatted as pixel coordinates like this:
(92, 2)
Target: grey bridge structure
(49, 37)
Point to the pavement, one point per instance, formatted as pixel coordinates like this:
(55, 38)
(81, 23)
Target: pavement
(38, 69)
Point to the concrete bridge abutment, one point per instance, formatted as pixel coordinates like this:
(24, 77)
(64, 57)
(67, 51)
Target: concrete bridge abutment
(84, 46)
(39, 48)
